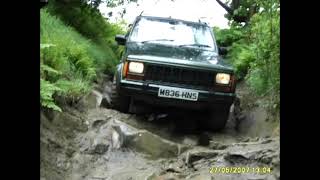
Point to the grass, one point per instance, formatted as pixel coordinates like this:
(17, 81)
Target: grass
(69, 61)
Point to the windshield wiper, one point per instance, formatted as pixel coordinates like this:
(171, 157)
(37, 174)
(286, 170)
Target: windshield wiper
(198, 45)
(158, 40)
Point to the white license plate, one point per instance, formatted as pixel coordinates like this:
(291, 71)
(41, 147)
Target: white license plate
(178, 93)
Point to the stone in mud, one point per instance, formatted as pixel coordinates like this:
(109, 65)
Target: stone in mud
(266, 141)
(151, 176)
(245, 139)
(154, 145)
(98, 123)
(198, 154)
(243, 156)
(190, 141)
(100, 148)
(236, 158)
(256, 139)
(175, 167)
(202, 163)
(217, 146)
(91, 100)
(125, 135)
(201, 177)
(106, 102)
(169, 176)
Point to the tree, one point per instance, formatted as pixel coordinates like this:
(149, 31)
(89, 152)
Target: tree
(240, 10)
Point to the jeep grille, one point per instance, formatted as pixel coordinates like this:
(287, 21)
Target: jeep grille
(178, 75)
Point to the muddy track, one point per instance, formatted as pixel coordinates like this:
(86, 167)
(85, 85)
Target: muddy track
(92, 142)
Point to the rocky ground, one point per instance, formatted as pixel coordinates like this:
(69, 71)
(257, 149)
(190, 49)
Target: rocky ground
(91, 142)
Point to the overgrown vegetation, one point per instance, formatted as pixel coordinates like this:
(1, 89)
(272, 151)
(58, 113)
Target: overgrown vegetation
(254, 49)
(76, 45)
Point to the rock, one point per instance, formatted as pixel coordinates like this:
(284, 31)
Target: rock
(203, 175)
(98, 123)
(101, 148)
(100, 144)
(198, 165)
(151, 176)
(91, 100)
(238, 157)
(101, 139)
(191, 176)
(200, 176)
(256, 139)
(124, 135)
(70, 152)
(190, 141)
(154, 145)
(86, 123)
(217, 146)
(175, 167)
(246, 139)
(266, 141)
(197, 154)
(106, 102)
(169, 176)
(117, 139)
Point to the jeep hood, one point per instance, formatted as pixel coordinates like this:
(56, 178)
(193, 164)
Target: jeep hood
(181, 56)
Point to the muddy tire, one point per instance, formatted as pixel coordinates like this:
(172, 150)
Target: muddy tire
(217, 119)
(118, 101)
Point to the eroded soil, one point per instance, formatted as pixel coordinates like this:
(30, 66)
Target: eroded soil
(92, 142)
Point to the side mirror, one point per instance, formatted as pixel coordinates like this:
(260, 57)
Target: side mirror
(223, 51)
(121, 39)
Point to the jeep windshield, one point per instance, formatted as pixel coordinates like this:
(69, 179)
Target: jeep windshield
(172, 32)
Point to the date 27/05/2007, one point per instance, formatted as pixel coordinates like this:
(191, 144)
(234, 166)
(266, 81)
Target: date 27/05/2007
(240, 170)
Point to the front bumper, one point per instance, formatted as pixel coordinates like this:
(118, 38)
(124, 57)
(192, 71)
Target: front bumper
(148, 94)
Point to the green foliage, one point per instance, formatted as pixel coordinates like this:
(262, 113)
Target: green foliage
(73, 89)
(69, 62)
(46, 92)
(241, 55)
(254, 49)
(225, 37)
(88, 22)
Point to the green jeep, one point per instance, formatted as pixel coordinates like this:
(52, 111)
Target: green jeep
(173, 63)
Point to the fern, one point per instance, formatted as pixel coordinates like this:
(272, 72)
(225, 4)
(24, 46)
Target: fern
(47, 90)
(46, 68)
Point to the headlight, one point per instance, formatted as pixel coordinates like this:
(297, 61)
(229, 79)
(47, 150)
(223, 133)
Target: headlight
(136, 67)
(222, 78)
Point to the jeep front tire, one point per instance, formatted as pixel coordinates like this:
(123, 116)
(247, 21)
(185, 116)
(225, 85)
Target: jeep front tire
(217, 118)
(118, 101)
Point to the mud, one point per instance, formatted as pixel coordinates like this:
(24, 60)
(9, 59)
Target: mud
(92, 143)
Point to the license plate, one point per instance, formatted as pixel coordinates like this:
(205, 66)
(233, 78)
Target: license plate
(178, 93)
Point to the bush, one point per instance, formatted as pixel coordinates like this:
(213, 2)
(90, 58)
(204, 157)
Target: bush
(254, 50)
(241, 55)
(225, 37)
